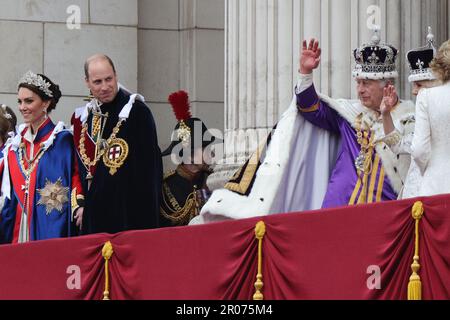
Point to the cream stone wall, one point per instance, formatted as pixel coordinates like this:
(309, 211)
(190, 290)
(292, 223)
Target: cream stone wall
(158, 46)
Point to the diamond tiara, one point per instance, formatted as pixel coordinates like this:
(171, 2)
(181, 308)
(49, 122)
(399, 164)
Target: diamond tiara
(37, 81)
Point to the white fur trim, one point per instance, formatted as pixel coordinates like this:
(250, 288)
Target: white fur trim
(374, 76)
(60, 126)
(83, 112)
(421, 76)
(282, 182)
(125, 113)
(231, 205)
(395, 168)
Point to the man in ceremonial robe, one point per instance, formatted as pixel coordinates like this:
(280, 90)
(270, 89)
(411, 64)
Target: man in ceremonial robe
(117, 146)
(323, 152)
(366, 170)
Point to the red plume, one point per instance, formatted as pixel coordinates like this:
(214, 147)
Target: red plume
(180, 104)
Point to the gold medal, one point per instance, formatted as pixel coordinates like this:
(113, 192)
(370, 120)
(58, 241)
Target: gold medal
(115, 155)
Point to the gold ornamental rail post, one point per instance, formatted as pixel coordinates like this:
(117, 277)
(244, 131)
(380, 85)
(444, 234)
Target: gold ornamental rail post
(415, 285)
(107, 253)
(260, 231)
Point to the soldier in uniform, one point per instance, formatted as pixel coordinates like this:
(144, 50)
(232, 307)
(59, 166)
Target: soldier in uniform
(184, 189)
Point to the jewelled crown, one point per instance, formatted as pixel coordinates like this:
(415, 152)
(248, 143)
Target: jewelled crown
(419, 60)
(38, 82)
(375, 60)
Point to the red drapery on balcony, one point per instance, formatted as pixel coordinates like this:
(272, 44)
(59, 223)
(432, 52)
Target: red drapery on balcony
(326, 254)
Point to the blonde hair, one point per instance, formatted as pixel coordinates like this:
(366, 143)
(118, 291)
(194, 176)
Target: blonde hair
(441, 63)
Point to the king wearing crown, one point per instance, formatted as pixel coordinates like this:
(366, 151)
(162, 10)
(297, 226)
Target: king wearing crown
(366, 170)
(325, 152)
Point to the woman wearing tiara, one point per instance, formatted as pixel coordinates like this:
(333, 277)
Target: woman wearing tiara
(40, 180)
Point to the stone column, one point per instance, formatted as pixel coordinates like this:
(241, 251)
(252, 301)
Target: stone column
(263, 38)
(258, 76)
(181, 47)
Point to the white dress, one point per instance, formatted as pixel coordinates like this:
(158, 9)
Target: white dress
(413, 178)
(400, 142)
(431, 143)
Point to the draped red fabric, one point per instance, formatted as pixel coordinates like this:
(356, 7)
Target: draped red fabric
(325, 254)
(38, 270)
(435, 252)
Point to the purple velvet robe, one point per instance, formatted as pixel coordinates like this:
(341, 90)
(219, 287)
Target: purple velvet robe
(345, 186)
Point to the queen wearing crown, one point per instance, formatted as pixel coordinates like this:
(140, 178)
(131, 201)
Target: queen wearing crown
(40, 180)
(421, 77)
(431, 143)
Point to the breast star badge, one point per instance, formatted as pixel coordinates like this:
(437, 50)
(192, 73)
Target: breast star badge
(53, 196)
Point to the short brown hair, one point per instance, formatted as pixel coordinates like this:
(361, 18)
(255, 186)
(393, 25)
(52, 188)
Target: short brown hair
(95, 57)
(441, 63)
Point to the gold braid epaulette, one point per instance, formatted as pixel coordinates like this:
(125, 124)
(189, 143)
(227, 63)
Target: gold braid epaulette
(179, 215)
